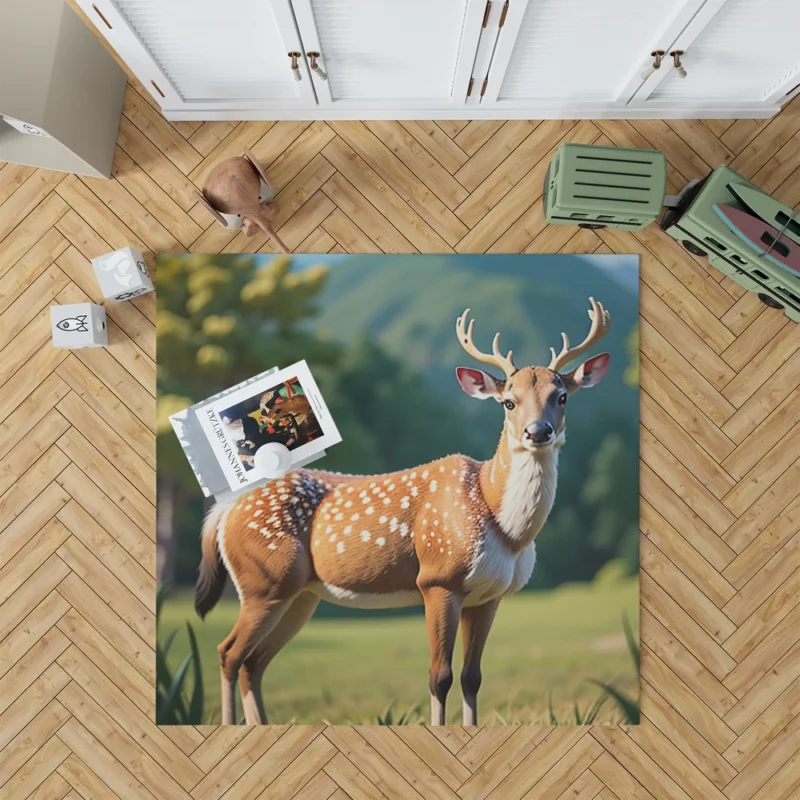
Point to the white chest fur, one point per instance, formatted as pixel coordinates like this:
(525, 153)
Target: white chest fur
(530, 490)
(529, 494)
(497, 572)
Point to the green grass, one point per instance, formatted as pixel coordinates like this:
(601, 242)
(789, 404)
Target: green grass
(544, 650)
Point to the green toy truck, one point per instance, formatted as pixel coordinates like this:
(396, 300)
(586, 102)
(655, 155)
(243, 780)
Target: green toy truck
(702, 232)
(597, 187)
(605, 187)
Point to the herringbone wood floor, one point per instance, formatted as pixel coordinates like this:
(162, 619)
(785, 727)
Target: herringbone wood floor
(720, 466)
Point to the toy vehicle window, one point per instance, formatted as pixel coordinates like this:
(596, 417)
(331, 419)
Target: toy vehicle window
(793, 224)
(791, 296)
(779, 247)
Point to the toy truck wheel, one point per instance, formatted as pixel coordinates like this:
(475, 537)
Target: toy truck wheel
(769, 301)
(592, 226)
(693, 248)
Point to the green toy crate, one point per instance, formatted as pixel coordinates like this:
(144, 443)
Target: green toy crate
(597, 187)
(695, 224)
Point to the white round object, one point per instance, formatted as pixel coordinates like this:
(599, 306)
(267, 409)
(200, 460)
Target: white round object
(273, 460)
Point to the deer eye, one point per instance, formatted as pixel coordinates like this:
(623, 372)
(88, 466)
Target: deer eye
(562, 399)
(510, 405)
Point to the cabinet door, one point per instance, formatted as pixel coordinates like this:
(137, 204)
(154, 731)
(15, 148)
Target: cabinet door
(391, 54)
(206, 53)
(560, 54)
(736, 51)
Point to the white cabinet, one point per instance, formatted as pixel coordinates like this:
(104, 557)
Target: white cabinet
(572, 52)
(386, 54)
(433, 59)
(229, 56)
(736, 51)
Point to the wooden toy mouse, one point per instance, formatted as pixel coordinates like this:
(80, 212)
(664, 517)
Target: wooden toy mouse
(234, 194)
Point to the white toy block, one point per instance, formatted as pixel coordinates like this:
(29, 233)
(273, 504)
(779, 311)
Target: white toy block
(122, 274)
(79, 325)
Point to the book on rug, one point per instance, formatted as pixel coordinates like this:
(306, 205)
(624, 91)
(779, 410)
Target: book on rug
(223, 434)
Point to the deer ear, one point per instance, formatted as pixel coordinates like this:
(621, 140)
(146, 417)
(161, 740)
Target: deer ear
(480, 384)
(588, 374)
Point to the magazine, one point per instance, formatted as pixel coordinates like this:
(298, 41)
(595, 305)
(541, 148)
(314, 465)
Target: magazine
(284, 407)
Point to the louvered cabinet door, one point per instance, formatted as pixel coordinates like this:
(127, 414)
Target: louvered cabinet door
(576, 54)
(221, 55)
(738, 51)
(390, 54)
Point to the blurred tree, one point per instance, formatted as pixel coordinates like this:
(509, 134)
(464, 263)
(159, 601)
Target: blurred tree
(380, 401)
(222, 319)
(631, 376)
(613, 471)
(596, 513)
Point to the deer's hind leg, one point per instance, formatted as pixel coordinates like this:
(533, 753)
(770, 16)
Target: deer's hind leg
(257, 617)
(251, 672)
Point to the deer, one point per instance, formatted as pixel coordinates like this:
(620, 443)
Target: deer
(455, 535)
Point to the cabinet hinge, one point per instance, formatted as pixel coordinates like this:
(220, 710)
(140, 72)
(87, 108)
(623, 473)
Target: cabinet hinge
(503, 15)
(469, 88)
(487, 12)
(483, 88)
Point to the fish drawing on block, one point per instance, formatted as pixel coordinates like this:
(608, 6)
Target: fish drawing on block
(77, 324)
(121, 265)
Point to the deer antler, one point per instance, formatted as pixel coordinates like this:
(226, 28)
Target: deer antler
(464, 333)
(601, 322)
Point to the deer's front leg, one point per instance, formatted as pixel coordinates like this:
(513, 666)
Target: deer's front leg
(476, 622)
(442, 612)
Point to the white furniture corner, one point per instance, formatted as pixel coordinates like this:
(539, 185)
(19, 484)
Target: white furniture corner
(59, 79)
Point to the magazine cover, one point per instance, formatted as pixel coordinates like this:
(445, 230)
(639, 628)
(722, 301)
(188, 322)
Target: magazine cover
(285, 407)
(466, 554)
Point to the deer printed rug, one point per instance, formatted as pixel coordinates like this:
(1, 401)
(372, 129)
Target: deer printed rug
(468, 553)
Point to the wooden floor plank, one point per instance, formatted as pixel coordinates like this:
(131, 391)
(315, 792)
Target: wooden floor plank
(437, 143)
(681, 734)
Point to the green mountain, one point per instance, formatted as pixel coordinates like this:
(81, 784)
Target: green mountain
(410, 304)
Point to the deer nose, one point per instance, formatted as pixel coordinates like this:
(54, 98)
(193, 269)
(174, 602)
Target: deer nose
(540, 432)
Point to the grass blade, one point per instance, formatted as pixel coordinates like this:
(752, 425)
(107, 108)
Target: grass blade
(172, 704)
(196, 703)
(163, 677)
(630, 638)
(628, 706)
(553, 718)
(161, 594)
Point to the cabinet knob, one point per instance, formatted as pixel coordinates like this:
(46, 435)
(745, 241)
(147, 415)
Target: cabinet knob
(657, 55)
(294, 55)
(315, 68)
(676, 60)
